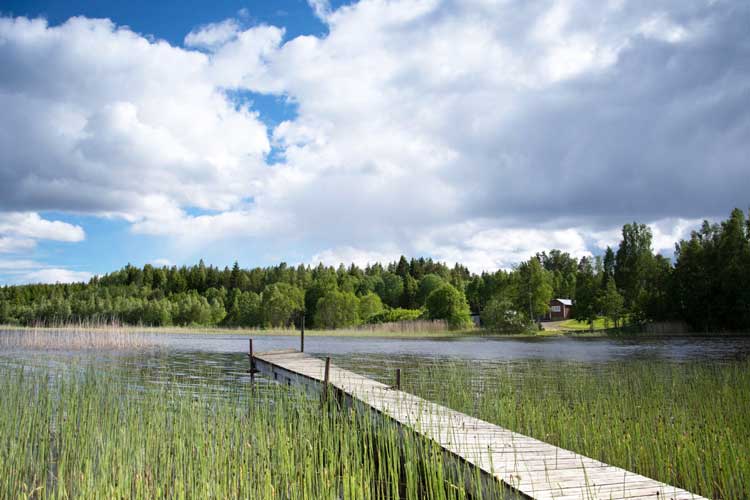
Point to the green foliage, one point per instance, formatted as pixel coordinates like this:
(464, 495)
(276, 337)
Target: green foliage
(533, 289)
(390, 289)
(395, 315)
(633, 262)
(427, 285)
(563, 269)
(449, 304)
(369, 306)
(500, 315)
(611, 303)
(204, 295)
(324, 281)
(246, 310)
(709, 287)
(280, 302)
(157, 313)
(588, 288)
(711, 278)
(337, 309)
(608, 267)
(191, 309)
(409, 296)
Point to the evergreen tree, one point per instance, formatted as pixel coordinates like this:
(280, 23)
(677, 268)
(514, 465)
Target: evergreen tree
(234, 277)
(608, 267)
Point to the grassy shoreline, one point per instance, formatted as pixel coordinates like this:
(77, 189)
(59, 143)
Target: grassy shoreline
(353, 332)
(250, 332)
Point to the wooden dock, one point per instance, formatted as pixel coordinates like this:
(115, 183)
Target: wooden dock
(510, 464)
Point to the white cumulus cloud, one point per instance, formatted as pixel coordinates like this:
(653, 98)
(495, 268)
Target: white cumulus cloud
(479, 132)
(213, 35)
(55, 275)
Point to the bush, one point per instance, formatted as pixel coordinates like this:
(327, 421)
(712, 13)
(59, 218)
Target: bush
(499, 315)
(396, 314)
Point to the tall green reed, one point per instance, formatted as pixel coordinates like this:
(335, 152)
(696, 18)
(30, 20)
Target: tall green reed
(686, 424)
(91, 434)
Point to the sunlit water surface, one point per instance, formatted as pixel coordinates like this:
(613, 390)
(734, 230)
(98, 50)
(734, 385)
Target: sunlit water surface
(221, 360)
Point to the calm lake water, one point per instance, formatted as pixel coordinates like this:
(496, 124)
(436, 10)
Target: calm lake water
(221, 359)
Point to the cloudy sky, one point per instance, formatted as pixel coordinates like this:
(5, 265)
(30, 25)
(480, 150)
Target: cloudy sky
(479, 131)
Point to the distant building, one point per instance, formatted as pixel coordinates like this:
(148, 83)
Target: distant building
(559, 309)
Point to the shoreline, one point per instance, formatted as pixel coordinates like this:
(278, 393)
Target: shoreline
(476, 332)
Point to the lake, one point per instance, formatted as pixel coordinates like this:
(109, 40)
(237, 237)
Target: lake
(674, 409)
(195, 357)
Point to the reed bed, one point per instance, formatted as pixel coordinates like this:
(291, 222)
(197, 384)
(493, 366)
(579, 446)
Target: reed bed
(75, 339)
(91, 435)
(411, 327)
(426, 328)
(683, 424)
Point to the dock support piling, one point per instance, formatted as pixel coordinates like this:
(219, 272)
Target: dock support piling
(398, 379)
(326, 378)
(251, 357)
(302, 335)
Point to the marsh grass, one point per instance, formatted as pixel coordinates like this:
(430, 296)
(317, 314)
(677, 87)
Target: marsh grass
(410, 327)
(683, 424)
(420, 329)
(91, 435)
(72, 339)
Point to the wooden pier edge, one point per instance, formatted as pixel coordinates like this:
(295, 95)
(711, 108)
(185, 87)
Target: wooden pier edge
(507, 464)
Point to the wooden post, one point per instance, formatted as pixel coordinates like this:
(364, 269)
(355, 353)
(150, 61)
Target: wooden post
(326, 378)
(302, 335)
(398, 379)
(252, 360)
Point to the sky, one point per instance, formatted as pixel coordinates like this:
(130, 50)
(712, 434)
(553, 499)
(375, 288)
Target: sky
(472, 131)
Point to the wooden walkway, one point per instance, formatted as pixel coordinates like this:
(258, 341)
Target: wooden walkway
(510, 463)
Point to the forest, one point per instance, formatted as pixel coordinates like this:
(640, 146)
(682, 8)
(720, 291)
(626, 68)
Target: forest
(706, 284)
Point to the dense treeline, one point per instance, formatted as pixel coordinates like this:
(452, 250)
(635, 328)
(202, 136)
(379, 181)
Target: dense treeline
(708, 286)
(276, 296)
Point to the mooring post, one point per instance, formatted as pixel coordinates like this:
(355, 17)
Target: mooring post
(326, 378)
(252, 360)
(398, 379)
(302, 335)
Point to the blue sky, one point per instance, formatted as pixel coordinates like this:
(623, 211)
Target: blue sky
(109, 244)
(172, 20)
(319, 131)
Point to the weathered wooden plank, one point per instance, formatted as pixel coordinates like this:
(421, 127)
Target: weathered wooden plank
(525, 466)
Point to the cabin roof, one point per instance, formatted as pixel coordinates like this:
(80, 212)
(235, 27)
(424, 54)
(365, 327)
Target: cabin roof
(565, 302)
